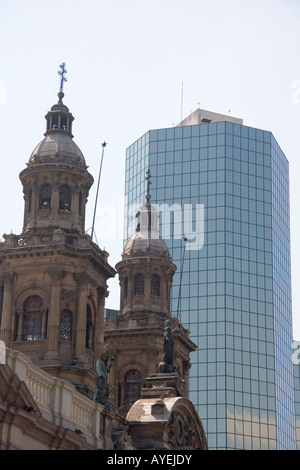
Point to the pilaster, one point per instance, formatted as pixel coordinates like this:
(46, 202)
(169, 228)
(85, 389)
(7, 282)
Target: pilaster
(82, 280)
(7, 313)
(57, 275)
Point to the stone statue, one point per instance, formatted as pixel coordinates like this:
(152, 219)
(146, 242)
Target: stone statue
(101, 380)
(166, 366)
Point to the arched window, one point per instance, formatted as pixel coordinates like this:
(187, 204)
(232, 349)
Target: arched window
(65, 327)
(54, 122)
(139, 284)
(155, 285)
(89, 328)
(45, 199)
(63, 122)
(29, 200)
(125, 287)
(65, 198)
(132, 387)
(32, 321)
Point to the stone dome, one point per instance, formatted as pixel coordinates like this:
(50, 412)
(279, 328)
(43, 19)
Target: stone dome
(140, 244)
(146, 241)
(57, 147)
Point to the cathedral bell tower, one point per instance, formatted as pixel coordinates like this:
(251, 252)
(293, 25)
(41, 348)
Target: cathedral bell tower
(56, 182)
(135, 338)
(53, 276)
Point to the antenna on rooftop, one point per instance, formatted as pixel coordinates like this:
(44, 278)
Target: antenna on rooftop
(181, 101)
(103, 147)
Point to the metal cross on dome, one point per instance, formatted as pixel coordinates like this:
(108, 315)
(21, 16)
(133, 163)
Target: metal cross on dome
(62, 73)
(148, 176)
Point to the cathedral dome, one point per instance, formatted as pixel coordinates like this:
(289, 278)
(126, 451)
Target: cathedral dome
(57, 147)
(146, 241)
(140, 244)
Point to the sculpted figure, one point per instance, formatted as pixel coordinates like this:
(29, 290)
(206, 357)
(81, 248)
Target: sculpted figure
(101, 380)
(166, 366)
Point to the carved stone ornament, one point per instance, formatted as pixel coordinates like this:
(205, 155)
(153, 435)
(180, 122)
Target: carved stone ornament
(82, 278)
(67, 296)
(121, 439)
(46, 238)
(7, 278)
(57, 274)
(181, 431)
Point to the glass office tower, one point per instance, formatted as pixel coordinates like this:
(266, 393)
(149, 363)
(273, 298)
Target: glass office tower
(222, 190)
(296, 362)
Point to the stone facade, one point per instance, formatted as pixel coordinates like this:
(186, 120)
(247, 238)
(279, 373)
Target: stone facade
(54, 276)
(58, 348)
(41, 412)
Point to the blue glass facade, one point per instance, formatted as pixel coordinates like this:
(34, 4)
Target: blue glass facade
(296, 362)
(225, 187)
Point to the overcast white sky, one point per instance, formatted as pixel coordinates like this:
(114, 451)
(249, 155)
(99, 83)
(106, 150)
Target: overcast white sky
(126, 62)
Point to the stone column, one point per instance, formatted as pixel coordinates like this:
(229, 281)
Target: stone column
(20, 314)
(122, 290)
(27, 191)
(80, 333)
(57, 276)
(85, 195)
(34, 201)
(55, 201)
(44, 324)
(147, 288)
(75, 205)
(130, 289)
(7, 311)
(165, 291)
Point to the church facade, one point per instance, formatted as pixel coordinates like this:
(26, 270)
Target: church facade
(127, 376)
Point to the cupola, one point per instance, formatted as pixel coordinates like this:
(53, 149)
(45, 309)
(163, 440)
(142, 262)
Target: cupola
(56, 182)
(59, 117)
(137, 335)
(146, 270)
